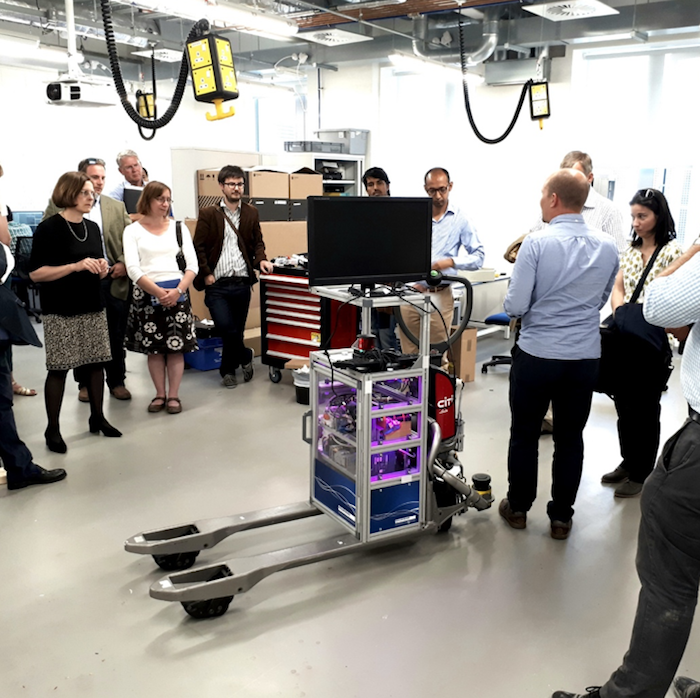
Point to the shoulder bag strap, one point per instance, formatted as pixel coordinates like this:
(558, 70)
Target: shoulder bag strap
(228, 215)
(181, 263)
(643, 277)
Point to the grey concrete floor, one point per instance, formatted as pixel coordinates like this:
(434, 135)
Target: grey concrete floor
(483, 611)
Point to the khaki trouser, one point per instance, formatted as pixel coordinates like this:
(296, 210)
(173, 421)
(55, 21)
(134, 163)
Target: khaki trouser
(442, 299)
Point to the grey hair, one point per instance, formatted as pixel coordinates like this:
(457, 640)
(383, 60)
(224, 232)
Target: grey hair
(126, 154)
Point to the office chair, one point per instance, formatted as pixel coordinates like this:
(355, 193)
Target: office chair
(498, 359)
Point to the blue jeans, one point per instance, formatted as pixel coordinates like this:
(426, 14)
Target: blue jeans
(16, 457)
(668, 565)
(228, 304)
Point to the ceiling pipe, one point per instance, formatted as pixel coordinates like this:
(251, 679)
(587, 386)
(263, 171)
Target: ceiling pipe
(74, 58)
(479, 55)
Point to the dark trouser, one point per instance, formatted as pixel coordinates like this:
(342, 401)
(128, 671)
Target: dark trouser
(569, 386)
(228, 301)
(640, 383)
(117, 314)
(668, 565)
(384, 329)
(16, 457)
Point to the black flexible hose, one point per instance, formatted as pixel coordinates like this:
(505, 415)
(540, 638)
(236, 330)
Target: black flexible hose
(199, 28)
(463, 60)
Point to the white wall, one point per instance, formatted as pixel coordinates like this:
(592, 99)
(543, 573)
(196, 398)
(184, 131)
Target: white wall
(39, 141)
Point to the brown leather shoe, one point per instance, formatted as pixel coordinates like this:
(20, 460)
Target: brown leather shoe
(83, 395)
(121, 393)
(515, 519)
(561, 529)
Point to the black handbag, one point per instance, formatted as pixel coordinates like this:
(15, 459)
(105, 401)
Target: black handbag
(181, 263)
(618, 332)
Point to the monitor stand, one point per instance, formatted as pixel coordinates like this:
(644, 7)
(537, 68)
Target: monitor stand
(369, 291)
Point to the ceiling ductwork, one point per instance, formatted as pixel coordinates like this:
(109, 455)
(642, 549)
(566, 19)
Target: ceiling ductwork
(424, 48)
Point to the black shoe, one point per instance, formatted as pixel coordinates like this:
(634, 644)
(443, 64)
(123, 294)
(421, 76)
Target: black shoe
(43, 477)
(615, 476)
(684, 687)
(591, 692)
(560, 529)
(101, 424)
(248, 371)
(515, 519)
(55, 442)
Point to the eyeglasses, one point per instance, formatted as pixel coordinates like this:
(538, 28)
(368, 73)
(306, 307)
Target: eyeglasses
(439, 190)
(164, 200)
(87, 193)
(234, 185)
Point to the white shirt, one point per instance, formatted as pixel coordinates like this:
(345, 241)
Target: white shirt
(154, 256)
(674, 301)
(231, 261)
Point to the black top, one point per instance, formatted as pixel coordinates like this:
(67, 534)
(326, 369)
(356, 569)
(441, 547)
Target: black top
(55, 245)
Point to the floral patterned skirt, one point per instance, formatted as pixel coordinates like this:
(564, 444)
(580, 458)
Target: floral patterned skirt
(153, 329)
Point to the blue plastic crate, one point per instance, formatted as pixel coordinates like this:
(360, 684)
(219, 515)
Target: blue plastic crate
(208, 356)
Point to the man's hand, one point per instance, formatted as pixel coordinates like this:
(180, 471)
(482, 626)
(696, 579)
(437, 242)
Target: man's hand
(118, 270)
(445, 263)
(209, 280)
(266, 267)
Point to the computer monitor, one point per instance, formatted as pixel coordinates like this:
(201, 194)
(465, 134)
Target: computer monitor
(368, 240)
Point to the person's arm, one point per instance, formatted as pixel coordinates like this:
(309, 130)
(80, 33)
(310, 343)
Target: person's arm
(522, 283)
(609, 286)
(470, 254)
(672, 299)
(4, 232)
(617, 298)
(260, 260)
(202, 237)
(48, 273)
(192, 266)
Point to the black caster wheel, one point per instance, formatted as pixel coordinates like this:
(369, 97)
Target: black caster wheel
(176, 561)
(445, 496)
(211, 608)
(484, 369)
(275, 374)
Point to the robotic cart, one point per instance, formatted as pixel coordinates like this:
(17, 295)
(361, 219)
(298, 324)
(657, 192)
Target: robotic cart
(383, 466)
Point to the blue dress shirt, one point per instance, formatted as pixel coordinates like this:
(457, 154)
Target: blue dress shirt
(562, 277)
(454, 236)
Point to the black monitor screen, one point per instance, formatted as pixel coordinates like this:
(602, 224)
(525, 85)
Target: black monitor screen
(366, 240)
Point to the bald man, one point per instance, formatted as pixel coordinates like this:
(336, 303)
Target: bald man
(562, 278)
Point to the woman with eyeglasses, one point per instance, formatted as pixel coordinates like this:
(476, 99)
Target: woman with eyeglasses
(68, 260)
(642, 368)
(161, 261)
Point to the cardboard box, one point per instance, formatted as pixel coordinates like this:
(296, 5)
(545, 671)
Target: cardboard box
(464, 355)
(284, 239)
(267, 184)
(298, 209)
(271, 209)
(253, 340)
(305, 182)
(208, 183)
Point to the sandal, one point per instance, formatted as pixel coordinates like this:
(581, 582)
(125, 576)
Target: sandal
(157, 404)
(176, 408)
(18, 389)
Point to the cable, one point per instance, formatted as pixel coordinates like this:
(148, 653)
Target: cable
(463, 61)
(198, 29)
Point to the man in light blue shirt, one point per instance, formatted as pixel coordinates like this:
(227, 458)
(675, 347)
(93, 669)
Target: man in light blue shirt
(562, 278)
(455, 246)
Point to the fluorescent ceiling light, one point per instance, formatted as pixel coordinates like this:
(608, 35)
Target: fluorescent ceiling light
(641, 37)
(238, 17)
(32, 53)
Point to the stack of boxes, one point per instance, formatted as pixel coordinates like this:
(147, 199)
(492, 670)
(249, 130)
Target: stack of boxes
(281, 202)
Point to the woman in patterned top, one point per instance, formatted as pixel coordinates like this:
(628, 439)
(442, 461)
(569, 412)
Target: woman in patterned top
(642, 367)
